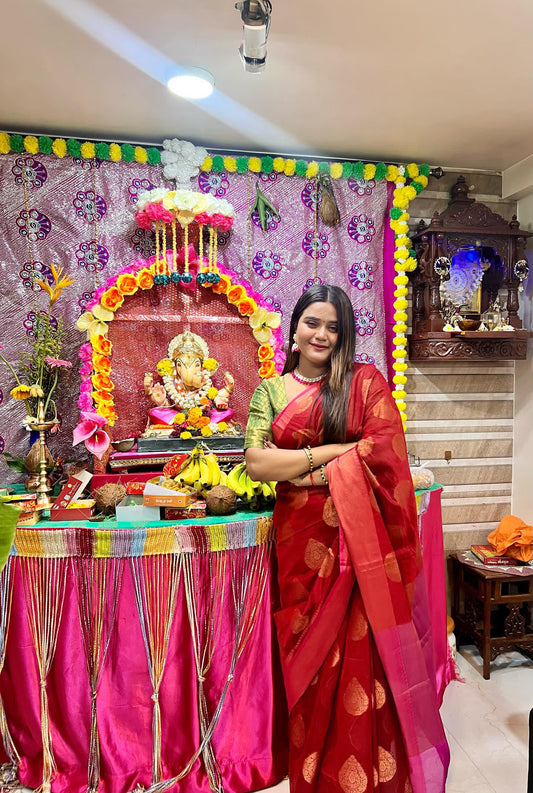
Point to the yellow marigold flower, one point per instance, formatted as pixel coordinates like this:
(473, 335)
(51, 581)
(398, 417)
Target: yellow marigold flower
(207, 164)
(401, 227)
(410, 192)
(400, 253)
(392, 173)
(87, 150)
(179, 418)
(194, 413)
(399, 327)
(206, 431)
(185, 435)
(210, 364)
(400, 292)
(21, 392)
(401, 280)
(412, 170)
(401, 203)
(399, 366)
(399, 379)
(59, 147)
(401, 304)
(36, 391)
(230, 164)
(410, 264)
(369, 171)
(399, 353)
(254, 164)
(222, 426)
(115, 152)
(212, 392)
(400, 316)
(422, 179)
(290, 167)
(278, 164)
(400, 404)
(140, 154)
(312, 169)
(335, 170)
(31, 144)
(165, 367)
(399, 341)
(5, 147)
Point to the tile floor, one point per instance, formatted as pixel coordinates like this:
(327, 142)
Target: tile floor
(486, 722)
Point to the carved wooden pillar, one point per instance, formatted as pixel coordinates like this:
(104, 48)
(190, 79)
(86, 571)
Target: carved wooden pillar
(512, 281)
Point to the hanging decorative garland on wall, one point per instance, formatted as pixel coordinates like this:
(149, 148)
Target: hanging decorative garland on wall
(409, 182)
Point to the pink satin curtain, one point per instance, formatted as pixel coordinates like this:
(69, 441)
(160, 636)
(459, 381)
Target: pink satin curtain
(250, 739)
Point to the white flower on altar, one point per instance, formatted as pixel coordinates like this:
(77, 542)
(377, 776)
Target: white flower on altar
(225, 208)
(149, 197)
(185, 199)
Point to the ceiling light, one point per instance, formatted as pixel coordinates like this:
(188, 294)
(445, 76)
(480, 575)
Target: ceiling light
(194, 84)
(255, 15)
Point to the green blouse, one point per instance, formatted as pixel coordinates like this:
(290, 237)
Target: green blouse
(268, 400)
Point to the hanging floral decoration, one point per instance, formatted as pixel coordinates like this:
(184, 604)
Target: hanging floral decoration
(162, 209)
(97, 386)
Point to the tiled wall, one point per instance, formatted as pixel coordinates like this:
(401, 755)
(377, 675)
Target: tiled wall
(465, 408)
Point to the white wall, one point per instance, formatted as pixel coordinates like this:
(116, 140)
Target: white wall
(522, 490)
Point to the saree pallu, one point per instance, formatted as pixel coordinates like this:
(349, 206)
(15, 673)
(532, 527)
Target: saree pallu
(354, 626)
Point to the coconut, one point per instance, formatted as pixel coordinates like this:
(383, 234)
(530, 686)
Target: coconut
(221, 500)
(108, 496)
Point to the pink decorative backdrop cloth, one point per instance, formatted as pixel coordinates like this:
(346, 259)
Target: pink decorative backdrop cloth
(81, 215)
(250, 740)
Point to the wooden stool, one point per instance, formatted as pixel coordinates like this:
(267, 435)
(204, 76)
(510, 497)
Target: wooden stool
(493, 609)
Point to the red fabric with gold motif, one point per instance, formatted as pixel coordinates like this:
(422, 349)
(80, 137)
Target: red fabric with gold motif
(349, 567)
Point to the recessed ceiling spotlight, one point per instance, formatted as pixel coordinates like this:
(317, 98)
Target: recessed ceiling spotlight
(193, 84)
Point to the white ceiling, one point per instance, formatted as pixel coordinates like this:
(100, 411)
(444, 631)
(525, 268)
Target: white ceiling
(449, 83)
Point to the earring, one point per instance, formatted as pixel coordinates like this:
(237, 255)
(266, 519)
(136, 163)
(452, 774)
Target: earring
(295, 347)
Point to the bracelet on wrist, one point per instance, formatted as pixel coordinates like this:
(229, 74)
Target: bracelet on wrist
(323, 475)
(309, 455)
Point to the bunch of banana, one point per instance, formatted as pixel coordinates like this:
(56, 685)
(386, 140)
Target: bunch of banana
(201, 471)
(255, 493)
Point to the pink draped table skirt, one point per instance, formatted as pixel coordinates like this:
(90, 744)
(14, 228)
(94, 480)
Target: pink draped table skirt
(98, 624)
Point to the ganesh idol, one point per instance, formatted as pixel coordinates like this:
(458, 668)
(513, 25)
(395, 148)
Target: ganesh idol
(186, 397)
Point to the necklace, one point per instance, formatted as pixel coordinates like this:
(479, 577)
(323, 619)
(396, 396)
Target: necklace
(181, 397)
(301, 379)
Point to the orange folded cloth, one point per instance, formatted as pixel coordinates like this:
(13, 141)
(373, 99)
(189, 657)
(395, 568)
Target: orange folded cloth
(513, 538)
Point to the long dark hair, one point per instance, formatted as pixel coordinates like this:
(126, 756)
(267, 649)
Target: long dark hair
(335, 390)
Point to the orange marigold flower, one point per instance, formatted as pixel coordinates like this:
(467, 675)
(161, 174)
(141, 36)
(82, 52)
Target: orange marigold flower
(267, 369)
(236, 293)
(145, 279)
(101, 363)
(204, 400)
(112, 299)
(102, 382)
(203, 421)
(247, 306)
(194, 413)
(103, 396)
(101, 345)
(127, 284)
(223, 285)
(265, 352)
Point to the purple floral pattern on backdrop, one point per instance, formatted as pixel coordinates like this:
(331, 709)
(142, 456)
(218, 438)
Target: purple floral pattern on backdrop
(316, 244)
(361, 228)
(268, 177)
(267, 264)
(91, 256)
(363, 357)
(309, 196)
(274, 304)
(361, 186)
(214, 183)
(2, 445)
(33, 225)
(361, 275)
(87, 165)
(89, 205)
(29, 171)
(136, 186)
(272, 221)
(365, 321)
(312, 282)
(58, 232)
(30, 272)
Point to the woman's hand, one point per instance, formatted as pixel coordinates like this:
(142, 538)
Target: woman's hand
(302, 481)
(267, 443)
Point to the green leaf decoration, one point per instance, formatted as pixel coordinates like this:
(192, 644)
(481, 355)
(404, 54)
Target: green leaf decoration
(381, 171)
(8, 521)
(17, 143)
(128, 152)
(154, 156)
(45, 144)
(218, 164)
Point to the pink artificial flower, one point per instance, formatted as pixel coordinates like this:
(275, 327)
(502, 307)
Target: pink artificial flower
(180, 258)
(143, 221)
(158, 212)
(85, 403)
(203, 219)
(222, 222)
(86, 352)
(86, 387)
(89, 431)
(86, 370)
(98, 294)
(56, 363)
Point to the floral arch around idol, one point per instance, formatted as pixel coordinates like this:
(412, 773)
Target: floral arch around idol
(187, 404)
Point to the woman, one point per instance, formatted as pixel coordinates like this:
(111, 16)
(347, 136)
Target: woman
(353, 625)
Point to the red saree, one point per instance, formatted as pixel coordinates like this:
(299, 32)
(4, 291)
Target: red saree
(353, 626)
